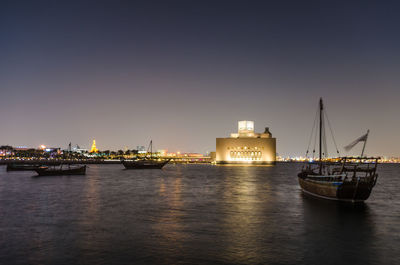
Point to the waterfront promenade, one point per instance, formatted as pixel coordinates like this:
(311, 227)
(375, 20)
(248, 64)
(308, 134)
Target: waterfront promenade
(91, 161)
(58, 161)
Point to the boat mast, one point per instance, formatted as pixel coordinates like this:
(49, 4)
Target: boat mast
(321, 108)
(151, 149)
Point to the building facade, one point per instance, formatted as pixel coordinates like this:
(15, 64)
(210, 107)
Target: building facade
(246, 146)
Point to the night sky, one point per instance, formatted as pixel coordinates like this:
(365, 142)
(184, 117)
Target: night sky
(184, 72)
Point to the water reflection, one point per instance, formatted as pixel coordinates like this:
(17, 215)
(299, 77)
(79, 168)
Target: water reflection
(191, 214)
(244, 201)
(91, 194)
(168, 227)
(340, 233)
(90, 220)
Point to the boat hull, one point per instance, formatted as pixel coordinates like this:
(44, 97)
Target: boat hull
(17, 167)
(351, 191)
(61, 172)
(144, 164)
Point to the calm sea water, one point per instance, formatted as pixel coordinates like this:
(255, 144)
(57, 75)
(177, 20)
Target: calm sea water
(192, 214)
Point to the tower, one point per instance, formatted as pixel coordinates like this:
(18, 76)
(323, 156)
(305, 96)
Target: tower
(94, 149)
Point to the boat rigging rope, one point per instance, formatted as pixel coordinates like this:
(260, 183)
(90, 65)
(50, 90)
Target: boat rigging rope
(311, 135)
(333, 136)
(325, 147)
(315, 139)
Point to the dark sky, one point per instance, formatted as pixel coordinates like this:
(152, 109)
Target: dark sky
(184, 72)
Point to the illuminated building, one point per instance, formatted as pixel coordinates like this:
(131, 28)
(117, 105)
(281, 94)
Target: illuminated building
(141, 149)
(53, 150)
(94, 149)
(162, 152)
(22, 148)
(79, 150)
(246, 146)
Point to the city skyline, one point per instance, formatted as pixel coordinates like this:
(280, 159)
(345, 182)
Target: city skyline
(183, 74)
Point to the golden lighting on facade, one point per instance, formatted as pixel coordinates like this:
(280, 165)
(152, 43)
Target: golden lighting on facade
(94, 148)
(246, 146)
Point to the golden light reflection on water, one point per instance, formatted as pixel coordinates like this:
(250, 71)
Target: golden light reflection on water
(242, 210)
(92, 195)
(168, 223)
(90, 208)
(162, 190)
(243, 165)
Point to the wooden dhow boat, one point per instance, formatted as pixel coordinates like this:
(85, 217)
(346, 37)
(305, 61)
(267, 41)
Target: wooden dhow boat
(348, 179)
(61, 170)
(21, 167)
(145, 163)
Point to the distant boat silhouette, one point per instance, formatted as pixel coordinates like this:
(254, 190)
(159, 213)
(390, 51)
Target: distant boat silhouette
(61, 170)
(145, 163)
(21, 167)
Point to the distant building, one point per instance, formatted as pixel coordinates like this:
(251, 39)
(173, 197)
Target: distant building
(141, 149)
(162, 152)
(79, 150)
(246, 146)
(52, 150)
(213, 157)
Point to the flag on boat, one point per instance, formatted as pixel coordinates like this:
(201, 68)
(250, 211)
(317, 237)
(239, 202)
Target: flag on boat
(360, 139)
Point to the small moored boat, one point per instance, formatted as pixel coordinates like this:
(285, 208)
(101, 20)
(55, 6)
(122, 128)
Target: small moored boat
(61, 170)
(146, 162)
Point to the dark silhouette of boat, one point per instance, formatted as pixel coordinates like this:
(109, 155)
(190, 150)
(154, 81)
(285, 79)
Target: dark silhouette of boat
(344, 178)
(61, 170)
(21, 167)
(146, 162)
